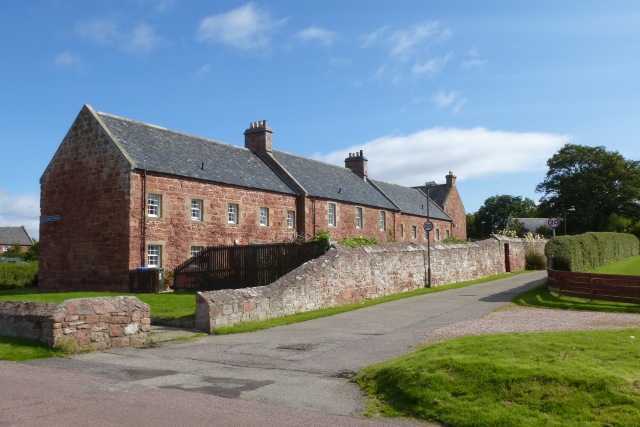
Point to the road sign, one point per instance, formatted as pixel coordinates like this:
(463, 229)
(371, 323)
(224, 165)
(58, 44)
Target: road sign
(554, 222)
(428, 226)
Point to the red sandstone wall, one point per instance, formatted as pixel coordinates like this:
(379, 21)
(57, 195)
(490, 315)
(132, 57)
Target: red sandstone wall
(177, 232)
(87, 185)
(346, 224)
(455, 209)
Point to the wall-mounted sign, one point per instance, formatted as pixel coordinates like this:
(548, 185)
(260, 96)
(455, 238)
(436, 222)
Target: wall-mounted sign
(51, 218)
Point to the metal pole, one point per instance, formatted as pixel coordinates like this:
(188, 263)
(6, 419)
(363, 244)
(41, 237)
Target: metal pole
(428, 243)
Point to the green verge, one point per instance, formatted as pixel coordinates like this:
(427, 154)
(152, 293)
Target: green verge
(516, 379)
(172, 305)
(19, 350)
(629, 267)
(316, 314)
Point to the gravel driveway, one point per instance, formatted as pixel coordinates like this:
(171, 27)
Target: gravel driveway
(515, 318)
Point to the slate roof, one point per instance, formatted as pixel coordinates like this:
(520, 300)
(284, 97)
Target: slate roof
(15, 236)
(437, 193)
(411, 200)
(162, 150)
(332, 182)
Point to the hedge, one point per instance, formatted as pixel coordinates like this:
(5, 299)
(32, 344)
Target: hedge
(18, 275)
(588, 251)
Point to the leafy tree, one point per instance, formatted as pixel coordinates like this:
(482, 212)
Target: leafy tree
(597, 182)
(472, 231)
(33, 254)
(496, 211)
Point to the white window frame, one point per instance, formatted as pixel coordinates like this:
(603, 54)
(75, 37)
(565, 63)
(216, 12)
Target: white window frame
(291, 219)
(195, 250)
(383, 221)
(414, 231)
(196, 209)
(359, 221)
(437, 234)
(5, 248)
(233, 213)
(154, 205)
(264, 217)
(446, 234)
(154, 256)
(332, 215)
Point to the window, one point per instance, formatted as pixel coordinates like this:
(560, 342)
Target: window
(264, 217)
(232, 213)
(437, 234)
(154, 256)
(196, 210)
(195, 250)
(414, 231)
(401, 230)
(383, 221)
(5, 249)
(291, 219)
(154, 205)
(332, 215)
(358, 217)
(446, 234)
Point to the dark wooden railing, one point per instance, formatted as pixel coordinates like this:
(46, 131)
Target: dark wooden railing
(607, 287)
(234, 267)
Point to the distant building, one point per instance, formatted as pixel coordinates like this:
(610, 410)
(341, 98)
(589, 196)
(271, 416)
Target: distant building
(119, 194)
(10, 236)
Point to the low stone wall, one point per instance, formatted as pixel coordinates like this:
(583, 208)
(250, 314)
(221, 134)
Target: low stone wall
(349, 275)
(95, 323)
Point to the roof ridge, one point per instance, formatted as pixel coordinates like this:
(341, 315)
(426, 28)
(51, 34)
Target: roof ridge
(314, 160)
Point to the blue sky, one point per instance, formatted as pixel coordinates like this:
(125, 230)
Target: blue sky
(489, 90)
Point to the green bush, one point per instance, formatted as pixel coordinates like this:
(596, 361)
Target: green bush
(535, 260)
(323, 238)
(456, 240)
(354, 242)
(589, 251)
(23, 275)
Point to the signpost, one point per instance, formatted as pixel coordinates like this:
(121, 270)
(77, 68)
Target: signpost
(428, 226)
(554, 222)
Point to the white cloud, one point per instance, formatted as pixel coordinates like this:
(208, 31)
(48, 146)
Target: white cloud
(68, 59)
(140, 39)
(20, 209)
(431, 66)
(247, 27)
(451, 99)
(472, 153)
(102, 31)
(321, 35)
(475, 61)
(405, 43)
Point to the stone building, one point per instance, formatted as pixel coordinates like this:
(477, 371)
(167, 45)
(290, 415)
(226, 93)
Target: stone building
(10, 236)
(119, 194)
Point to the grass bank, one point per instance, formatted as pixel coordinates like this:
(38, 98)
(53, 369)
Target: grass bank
(552, 379)
(19, 350)
(628, 267)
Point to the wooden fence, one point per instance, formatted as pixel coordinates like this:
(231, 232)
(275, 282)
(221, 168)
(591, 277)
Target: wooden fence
(234, 267)
(607, 287)
(144, 280)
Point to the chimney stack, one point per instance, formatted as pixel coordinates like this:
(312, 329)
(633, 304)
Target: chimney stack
(451, 180)
(258, 138)
(357, 162)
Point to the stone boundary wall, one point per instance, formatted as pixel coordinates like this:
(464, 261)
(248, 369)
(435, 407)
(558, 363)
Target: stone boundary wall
(83, 323)
(350, 275)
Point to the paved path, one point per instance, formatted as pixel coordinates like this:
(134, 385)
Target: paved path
(291, 375)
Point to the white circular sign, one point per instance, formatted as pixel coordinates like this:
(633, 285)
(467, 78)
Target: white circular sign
(428, 226)
(554, 222)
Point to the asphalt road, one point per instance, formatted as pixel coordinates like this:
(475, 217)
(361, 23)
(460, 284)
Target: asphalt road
(288, 376)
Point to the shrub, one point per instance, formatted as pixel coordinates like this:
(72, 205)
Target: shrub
(354, 242)
(323, 238)
(13, 275)
(535, 260)
(457, 240)
(589, 251)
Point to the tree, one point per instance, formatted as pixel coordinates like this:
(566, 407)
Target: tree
(496, 211)
(594, 181)
(15, 251)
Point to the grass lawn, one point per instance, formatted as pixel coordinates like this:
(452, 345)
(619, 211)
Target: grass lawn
(174, 305)
(628, 267)
(551, 379)
(18, 350)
